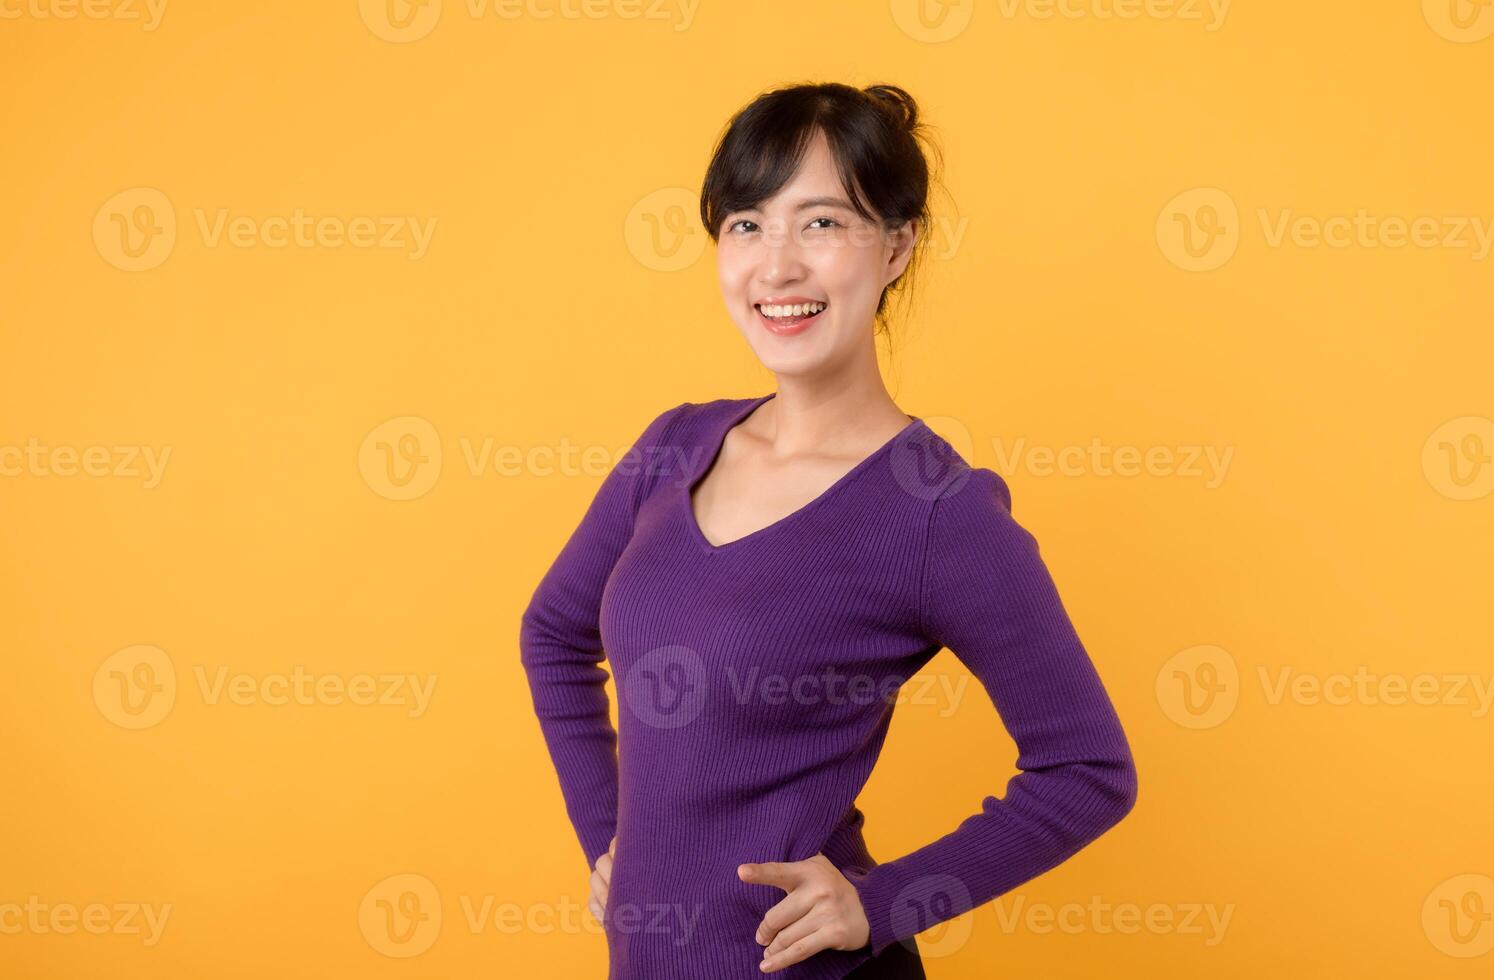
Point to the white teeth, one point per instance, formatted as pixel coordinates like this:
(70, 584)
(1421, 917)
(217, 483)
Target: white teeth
(800, 309)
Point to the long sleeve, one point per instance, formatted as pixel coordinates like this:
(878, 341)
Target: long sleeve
(561, 648)
(988, 597)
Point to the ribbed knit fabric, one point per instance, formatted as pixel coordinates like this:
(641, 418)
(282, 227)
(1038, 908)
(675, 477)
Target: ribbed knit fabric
(756, 682)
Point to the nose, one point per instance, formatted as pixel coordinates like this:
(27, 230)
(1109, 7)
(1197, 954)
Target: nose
(781, 260)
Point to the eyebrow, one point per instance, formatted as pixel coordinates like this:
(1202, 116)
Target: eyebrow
(813, 202)
(818, 202)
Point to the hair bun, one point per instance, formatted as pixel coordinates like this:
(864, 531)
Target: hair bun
(902, 105)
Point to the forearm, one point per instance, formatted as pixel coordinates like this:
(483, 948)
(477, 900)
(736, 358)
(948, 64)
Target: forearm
(1044, 819)
(570, 701)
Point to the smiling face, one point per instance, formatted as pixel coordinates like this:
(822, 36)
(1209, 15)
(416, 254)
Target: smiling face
(806, 247)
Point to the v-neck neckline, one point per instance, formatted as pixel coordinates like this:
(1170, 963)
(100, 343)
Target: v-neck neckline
(717, 442)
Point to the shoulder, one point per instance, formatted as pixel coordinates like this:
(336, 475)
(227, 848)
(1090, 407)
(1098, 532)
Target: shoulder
(688, 416)
(973, 495)
(672, 440)
(686, 429)
(662, 424)
(674, 426)
(964, 508)
(978, 556)
(929, 468)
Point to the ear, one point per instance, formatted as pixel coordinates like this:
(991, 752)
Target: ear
(902, 241)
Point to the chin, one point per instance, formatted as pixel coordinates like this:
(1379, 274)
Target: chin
(794, 363)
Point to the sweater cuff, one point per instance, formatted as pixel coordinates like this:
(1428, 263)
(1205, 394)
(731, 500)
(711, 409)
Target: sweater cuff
(875, 902)
(900, 903)
(595, 839)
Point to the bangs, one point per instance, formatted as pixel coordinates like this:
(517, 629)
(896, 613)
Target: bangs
(761, 154)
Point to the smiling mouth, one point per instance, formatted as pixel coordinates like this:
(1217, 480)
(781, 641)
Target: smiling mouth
(790, 318)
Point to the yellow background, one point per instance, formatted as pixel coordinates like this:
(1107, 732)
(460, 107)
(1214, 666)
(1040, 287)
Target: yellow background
(544, 315)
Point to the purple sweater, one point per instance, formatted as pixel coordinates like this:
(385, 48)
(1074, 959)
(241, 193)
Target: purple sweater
(756, 682)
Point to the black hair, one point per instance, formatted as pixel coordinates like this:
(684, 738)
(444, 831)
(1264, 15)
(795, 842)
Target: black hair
(873, 135)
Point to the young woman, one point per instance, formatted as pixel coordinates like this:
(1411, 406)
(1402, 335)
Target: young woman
(762, 574)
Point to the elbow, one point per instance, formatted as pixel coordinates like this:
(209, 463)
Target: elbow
(1112, 782)
(549, 641)
(538, 640)
(1125, 789)
(1116, 787)
(1109, 795)
(528, 640)
(1074, 804)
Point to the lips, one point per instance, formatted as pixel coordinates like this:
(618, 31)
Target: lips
(787, 326)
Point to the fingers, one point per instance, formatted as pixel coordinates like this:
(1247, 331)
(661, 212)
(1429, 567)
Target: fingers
(601, 880)
(799, 950)
(598, 901)
(820, 911)
(792, 908)
(795, 931)
(604, 863)
(784, 874)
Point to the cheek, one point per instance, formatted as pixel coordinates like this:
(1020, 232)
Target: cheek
(848, 275)
(732, 273)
